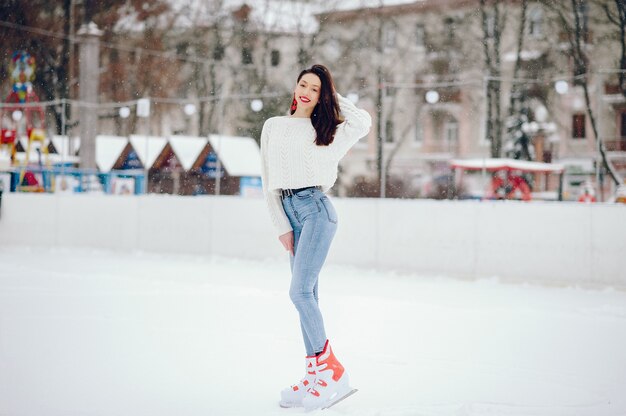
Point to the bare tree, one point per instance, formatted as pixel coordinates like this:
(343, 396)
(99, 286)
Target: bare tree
(518, 142)
(617, 16)
(493, 19)
(571, 16)
(207, 38)
(42, 28)
(370, 32)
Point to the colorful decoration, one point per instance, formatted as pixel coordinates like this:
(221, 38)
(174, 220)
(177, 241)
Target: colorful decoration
(25, 120)
(22, 71)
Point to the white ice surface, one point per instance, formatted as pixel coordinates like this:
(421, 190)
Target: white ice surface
(86, 332)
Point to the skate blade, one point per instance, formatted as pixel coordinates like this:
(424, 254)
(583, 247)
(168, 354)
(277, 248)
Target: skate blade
(345, 396)
(289, 405)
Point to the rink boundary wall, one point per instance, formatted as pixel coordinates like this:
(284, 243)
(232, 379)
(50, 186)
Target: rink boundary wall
(548, 243)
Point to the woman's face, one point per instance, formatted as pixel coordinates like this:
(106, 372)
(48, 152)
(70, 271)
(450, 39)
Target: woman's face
(308, 91)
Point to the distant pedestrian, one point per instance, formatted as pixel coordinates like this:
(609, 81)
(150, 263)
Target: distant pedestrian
(300, 155)
(587, 196)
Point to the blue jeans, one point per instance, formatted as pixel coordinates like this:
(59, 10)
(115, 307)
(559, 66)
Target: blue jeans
(314, 222)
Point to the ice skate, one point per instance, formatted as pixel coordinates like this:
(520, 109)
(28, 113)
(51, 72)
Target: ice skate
(331, 382)
(292, 396)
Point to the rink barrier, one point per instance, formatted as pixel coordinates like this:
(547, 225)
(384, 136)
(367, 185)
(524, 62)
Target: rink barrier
(542, 242)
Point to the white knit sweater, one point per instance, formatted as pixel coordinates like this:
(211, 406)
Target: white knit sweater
(290, 158)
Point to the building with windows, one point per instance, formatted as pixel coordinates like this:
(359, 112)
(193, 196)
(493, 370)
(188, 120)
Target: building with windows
(421, 69)
(426, 70)
(228, 53)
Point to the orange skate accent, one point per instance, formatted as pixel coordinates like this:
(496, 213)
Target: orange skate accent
(331, 362)
(314, 393)
(305, 382)
(295, 388)
(322, 383)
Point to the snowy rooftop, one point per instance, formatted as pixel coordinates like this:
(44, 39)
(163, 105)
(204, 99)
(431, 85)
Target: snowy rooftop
(187, 149)
(108, 150)
(148, 148)
(240, 155)
(344, 5)
(277, 16)
(281, 16)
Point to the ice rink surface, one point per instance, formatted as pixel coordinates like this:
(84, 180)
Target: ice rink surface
(86, 332)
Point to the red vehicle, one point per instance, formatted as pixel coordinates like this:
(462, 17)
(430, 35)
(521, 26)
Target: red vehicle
(508, 176)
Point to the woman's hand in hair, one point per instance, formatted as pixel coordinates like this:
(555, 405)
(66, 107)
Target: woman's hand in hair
(287, 241)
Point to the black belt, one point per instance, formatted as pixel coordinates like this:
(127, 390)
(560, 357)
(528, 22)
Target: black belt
(288, 192)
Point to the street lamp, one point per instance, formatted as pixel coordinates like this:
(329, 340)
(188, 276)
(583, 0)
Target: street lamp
(124, 112)
(432, 97)
(256, 105)
(561, 87)
(189, 109)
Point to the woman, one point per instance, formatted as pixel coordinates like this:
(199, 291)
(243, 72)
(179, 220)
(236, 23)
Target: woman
(300, 154)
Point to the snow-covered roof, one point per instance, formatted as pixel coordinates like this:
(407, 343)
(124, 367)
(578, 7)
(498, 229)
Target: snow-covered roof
(506, 164)
(108, 150)
(286, 16)
(187, 149)
(239, 155)
(23, 141)
(148, 148)
(345, 5)
(62, 144)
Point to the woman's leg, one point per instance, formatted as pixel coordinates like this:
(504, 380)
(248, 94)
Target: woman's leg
(313, 244)
(307, 343)
(297, 228)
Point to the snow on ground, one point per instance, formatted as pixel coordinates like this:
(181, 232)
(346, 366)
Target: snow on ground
(86, 332)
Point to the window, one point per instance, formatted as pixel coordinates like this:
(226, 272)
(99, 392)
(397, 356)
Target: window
(451, 131)
(363, 39)
(448, 24)
(275, 57)
(181, 48)
(578, 126)
(246, 55)
(390, 91)
(389, 131)
(535, 22)
(419, 132)
(389, 36)
(303, 57)
(623, 126)
(420, 35)
(218, 52)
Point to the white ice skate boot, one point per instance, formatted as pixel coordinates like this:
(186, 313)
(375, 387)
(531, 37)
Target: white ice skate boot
(331, 382)
(292, 396)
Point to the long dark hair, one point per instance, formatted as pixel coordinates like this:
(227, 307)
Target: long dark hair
(325, 116)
